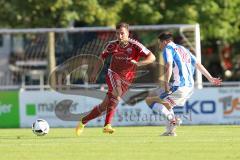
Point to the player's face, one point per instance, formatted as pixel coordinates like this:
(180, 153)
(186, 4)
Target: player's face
(162, 44)
(122, 34)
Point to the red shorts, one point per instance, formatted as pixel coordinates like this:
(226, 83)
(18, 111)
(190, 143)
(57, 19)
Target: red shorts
(113, 81)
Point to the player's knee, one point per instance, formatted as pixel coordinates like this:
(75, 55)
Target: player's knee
(116, 94)
(113, 100)
(102, 107)
(118, 98)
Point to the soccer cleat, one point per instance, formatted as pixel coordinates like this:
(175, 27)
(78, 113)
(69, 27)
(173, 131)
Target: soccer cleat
(178, 121)
(108, 129)
(171, 127)
(79, 128)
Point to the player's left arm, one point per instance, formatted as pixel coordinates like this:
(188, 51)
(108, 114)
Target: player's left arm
(149, 59)
(204, 71)
(143, 52)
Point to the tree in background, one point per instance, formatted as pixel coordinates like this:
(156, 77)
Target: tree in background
(219, 19)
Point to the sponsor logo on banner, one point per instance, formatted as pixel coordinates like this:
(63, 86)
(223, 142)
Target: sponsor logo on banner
(5, 108)
(9, 109)
(231, 106)
(136, 115)
(201, 107)
(197, 107)
(44, 109)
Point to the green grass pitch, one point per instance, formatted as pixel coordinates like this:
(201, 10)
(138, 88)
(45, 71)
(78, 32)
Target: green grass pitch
(220, 142)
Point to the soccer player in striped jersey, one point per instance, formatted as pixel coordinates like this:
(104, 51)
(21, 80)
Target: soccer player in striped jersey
(125, 54)
(180, 62)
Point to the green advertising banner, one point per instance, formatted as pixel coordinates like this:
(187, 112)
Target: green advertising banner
(9, 109)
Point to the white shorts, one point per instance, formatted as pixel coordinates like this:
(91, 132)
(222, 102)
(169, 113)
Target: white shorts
(177, 95)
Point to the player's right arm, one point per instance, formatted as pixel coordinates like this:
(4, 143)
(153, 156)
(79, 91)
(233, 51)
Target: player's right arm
(168, 60)
(105, 53)
(96, 70)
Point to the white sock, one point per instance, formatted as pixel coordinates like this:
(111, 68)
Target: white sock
(171, 112)
(169, 127)
(160, 108)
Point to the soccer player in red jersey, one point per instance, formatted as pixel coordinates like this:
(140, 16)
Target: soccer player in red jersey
(125, 54)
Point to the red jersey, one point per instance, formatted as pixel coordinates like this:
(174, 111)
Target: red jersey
(122, 56)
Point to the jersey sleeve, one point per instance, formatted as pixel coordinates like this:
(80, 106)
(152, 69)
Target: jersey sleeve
(168, 55)
(107, 50)
(142, 50)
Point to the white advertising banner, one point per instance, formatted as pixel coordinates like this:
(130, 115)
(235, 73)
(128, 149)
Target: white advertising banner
(212, 106)
(206, 106)
(42, 104)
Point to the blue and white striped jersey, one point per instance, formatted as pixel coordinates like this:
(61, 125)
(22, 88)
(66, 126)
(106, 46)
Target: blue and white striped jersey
(183, 62)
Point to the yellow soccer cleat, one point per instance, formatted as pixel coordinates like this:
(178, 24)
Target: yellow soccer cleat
(108, 129)
(79, 128)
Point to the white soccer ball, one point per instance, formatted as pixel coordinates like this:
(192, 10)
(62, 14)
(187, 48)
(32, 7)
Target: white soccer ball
(40, 127)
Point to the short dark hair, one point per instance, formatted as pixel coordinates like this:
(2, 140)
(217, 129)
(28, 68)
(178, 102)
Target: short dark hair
(122, 24)
(165, 36)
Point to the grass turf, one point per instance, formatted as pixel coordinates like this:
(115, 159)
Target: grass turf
(128, 143)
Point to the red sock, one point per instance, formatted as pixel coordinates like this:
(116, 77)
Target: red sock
(93, 114)
(110, 113)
